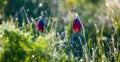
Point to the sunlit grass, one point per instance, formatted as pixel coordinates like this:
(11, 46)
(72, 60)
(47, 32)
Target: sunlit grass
(26, 44)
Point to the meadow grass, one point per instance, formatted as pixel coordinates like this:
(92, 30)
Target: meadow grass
(26, 44)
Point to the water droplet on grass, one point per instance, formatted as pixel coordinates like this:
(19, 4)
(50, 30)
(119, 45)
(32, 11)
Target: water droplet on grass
(40, 5)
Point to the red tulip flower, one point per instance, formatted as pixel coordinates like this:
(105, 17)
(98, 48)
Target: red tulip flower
(40, 25)
(76, 25)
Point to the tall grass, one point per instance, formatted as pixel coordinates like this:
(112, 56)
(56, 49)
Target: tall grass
(26, 44)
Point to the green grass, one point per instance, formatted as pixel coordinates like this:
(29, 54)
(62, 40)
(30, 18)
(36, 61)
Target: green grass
(26, 44)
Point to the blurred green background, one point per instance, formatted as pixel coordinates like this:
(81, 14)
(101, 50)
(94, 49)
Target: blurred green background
(21, 42)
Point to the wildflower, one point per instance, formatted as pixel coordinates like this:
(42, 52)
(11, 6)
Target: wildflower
(76, 25)
(40, 25)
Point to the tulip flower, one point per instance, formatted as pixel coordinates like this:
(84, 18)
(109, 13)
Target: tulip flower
(76, 25)
(40, 25)
(76, 34)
